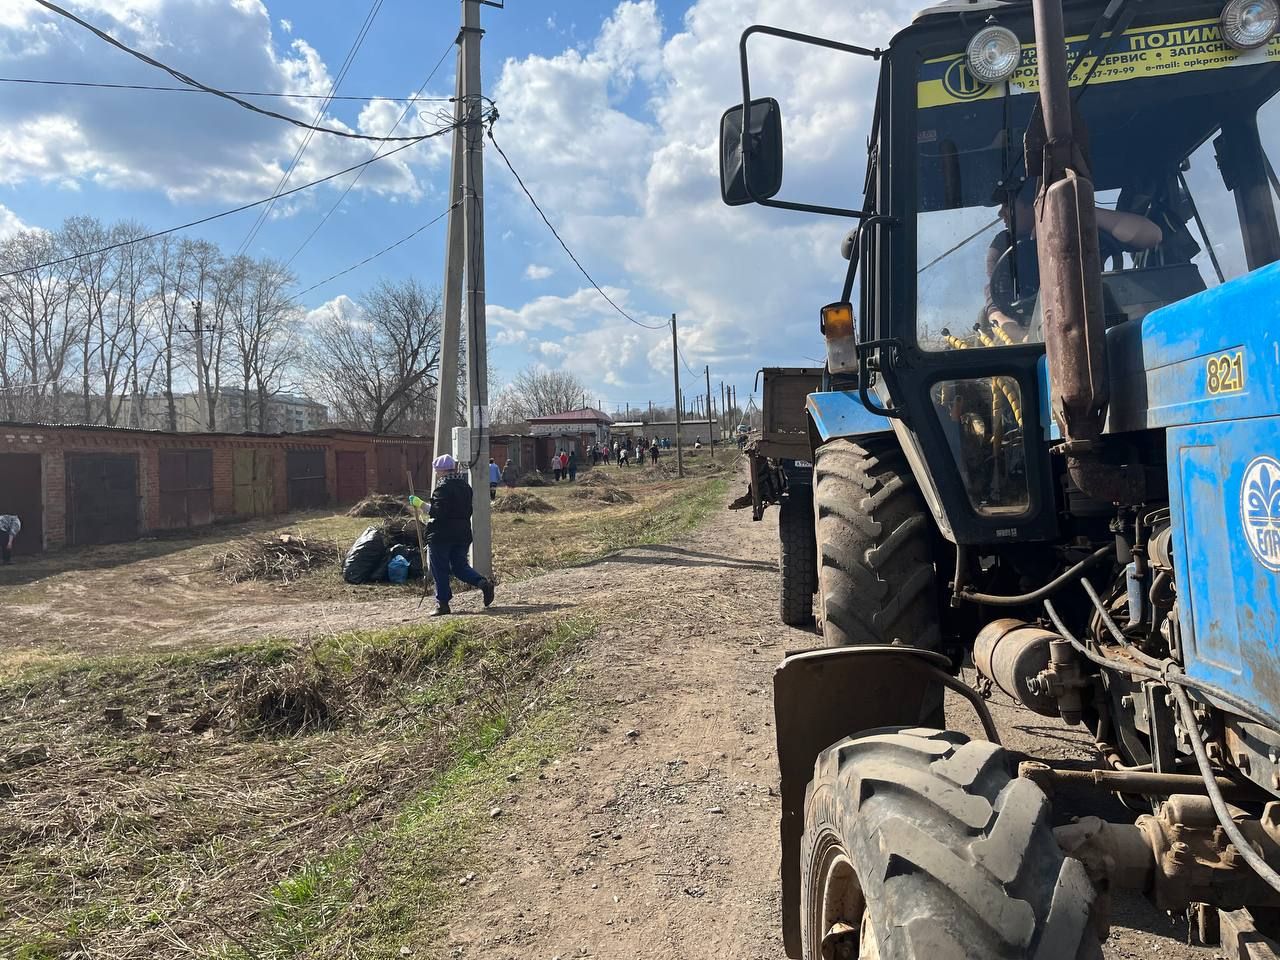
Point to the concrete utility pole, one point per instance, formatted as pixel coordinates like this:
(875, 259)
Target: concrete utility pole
(675, 367)
(447, 384)
(472, 133)
(724, 415)
(711, 427)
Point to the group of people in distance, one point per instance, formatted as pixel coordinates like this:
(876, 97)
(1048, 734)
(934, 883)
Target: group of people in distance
(625, 452)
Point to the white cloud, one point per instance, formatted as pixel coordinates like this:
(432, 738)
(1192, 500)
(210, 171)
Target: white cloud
(10, 223)
(342, 304)
(286, 25)
(536, 271)
(188, 146)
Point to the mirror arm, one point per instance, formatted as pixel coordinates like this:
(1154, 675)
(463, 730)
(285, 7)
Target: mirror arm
(875, 54)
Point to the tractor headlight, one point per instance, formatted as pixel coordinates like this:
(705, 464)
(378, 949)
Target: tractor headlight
(1249, 24)
(994, 54)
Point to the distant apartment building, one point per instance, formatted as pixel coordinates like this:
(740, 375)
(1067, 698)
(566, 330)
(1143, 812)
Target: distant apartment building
(285, 413)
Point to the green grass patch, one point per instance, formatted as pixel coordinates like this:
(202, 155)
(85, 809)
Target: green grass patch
(343, 827)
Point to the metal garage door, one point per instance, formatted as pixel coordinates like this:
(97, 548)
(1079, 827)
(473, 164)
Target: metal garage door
(102, 498)
(21, 494)
(353, 483)
(390, 458)
(186, 488)
(253, 483)
(418, 461)
(305, 471)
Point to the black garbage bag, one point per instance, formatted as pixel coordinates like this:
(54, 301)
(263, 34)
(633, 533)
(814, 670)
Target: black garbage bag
(366, 561)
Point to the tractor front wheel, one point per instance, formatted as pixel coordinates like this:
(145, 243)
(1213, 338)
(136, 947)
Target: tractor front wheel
(919, 845)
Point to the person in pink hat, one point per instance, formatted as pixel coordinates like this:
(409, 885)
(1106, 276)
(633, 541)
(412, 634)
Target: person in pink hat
(449, 534)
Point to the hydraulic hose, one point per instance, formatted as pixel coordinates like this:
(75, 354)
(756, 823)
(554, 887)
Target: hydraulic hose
(1050, 588)
(1105, 662)
(1114, 630)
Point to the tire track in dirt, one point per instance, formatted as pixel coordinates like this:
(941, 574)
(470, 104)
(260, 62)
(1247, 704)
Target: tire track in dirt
(657, 836)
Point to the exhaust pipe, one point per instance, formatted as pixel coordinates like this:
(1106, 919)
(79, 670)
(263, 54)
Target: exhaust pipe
(1070, 270)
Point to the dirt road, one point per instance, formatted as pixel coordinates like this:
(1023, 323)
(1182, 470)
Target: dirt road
(657, 837)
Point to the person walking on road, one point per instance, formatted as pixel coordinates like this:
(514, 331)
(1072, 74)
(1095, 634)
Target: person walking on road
(449, 534)
(653, 454)
(564, 465)
(573, 466)
(509, 475)
(10, 527)
(495, 478)
(555, 464)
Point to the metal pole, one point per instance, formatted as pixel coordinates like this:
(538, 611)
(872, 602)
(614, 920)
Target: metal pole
(711, 427)
(675, 367)
(477, 345)
(447, 383)
(724, 413)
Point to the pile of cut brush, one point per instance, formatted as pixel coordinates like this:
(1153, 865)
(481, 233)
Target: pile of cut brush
(383, 505)
(602, 493)
(283, 558)
(596, 478)
(521, 503)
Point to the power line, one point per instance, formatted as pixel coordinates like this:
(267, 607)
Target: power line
(684, 361)
(224, 94)
(215, 216)
(377, 150)
(242, 93)
(375, 256)
(363, 32)
(554, 233)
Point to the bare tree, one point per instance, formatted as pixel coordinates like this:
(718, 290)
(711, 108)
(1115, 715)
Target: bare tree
(538, 392)
(38, 330)
(263, 335)
(377, 366)
(173, 263)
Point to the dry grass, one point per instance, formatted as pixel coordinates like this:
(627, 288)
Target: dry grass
(125, 842)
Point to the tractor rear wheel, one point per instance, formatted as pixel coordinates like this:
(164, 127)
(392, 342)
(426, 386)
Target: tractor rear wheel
(797, 557)
(876, 546)
(919, 845)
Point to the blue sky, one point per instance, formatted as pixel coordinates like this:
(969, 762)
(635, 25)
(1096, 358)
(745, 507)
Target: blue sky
(609, 111)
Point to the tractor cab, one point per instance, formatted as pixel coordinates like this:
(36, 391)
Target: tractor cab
(1177, 126)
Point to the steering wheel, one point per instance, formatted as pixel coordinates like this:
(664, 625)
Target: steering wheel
(1021, 307)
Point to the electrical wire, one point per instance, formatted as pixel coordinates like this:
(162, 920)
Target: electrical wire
(692, 371)
(242, 93)
(377, 150)
(216, 216)
(215, 91)
(554, 233)
(356, 44)
(375, 256)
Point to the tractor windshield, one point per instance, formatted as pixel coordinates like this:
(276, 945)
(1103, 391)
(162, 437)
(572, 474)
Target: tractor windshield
(1176, 129)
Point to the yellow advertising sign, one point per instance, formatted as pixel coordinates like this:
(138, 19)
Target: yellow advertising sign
(1139, 52)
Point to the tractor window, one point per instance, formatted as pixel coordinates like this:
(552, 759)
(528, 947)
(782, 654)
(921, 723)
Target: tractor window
(1162, 142)
(982, 420)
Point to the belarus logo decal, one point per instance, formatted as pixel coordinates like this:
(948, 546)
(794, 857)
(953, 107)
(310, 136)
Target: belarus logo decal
(1260, 510)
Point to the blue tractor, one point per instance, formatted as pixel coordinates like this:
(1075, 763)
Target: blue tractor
(1047, 445)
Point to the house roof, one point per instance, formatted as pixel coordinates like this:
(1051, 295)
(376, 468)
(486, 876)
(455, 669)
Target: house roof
(583, 415)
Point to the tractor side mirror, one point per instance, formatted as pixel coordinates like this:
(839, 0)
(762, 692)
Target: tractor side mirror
(757, 175)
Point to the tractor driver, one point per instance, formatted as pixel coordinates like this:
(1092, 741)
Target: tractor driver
(1129, 232)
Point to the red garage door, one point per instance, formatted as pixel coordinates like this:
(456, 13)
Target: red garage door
(186, 488)
(352, 482)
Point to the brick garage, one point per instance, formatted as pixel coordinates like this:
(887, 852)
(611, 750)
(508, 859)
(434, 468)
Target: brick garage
(126, 483)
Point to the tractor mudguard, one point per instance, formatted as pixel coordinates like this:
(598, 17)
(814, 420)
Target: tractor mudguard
(837, 414)
(822, 696)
